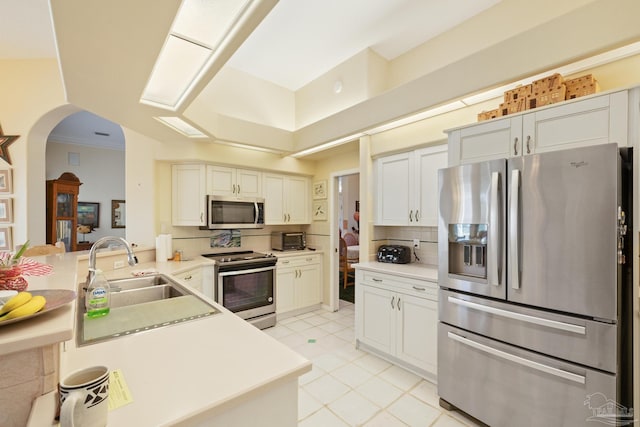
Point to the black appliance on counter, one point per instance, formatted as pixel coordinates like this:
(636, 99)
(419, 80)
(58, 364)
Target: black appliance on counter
(395, 254)
(245, 284)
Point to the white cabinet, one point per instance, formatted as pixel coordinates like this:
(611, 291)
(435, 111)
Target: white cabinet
(287, 199)
(590, 121)
(407, 185)
(188, 194)
(199, 278)
(298, 283)
(225, 181)
(397, 318)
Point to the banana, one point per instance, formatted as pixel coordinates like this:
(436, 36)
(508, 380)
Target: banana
(15, 302)
(34, 305)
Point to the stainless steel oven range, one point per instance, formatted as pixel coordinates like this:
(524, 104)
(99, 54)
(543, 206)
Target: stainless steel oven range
(245, 284)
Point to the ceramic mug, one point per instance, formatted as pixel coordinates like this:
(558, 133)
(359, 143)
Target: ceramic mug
(83, 398)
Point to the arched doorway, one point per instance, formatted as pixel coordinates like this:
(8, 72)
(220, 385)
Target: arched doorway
(35, 227)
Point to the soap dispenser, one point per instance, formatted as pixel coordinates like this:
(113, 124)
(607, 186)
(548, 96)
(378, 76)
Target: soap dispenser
(98, 296)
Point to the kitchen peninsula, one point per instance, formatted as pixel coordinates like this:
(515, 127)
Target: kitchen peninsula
(217, 370)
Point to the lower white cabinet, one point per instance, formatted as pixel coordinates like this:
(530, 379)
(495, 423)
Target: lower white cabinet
(199, 278)
(397, 318)
(298, 283)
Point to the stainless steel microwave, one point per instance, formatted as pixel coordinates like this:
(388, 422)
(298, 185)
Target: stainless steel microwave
(229, 212)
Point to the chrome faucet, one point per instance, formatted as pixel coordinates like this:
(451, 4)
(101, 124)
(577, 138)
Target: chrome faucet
(133, 260)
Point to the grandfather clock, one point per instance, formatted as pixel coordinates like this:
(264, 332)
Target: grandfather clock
(62, 210)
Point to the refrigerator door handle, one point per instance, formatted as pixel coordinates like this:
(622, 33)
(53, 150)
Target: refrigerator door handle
(514, 226)
(563, 326)
(580, 379)
(493, 253)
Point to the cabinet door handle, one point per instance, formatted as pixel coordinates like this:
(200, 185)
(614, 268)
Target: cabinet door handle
(417, 216)
(515, 146)
(201, 216)
(377, 280)
(411, 215)
(189, 277)
(528, 144)
(392, 300)
(418, 288)
(238, 188)
(309, 259)
(398, 304)
(284, 218)
(233, 189)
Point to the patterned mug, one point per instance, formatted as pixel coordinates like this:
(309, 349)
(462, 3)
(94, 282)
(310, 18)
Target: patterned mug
(83, 398)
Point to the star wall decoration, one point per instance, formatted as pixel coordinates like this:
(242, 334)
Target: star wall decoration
(5, 142)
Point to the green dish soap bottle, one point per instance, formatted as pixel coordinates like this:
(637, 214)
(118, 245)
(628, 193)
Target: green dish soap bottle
(98, 296)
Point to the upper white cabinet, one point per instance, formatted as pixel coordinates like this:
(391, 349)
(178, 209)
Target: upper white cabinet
(188, 194)
(590, 121)
(225, 181)
(287, 199)
(407, 187)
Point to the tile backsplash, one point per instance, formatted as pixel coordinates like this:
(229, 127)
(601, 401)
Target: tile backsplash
(428, 236)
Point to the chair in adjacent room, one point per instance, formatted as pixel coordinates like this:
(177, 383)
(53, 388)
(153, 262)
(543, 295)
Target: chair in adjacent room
(43, 250)
(345, 264)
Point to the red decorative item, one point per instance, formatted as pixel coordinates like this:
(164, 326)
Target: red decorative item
(11, 278)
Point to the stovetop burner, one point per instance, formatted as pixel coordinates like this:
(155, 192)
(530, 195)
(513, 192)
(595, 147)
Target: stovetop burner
(237, 256)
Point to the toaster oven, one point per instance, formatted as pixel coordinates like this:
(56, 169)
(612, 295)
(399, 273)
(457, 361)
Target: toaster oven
(395, 254)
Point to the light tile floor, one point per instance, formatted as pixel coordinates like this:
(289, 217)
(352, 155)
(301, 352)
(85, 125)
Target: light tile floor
(349, 387)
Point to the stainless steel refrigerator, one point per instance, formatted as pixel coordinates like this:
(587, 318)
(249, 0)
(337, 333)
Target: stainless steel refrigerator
(535, 288)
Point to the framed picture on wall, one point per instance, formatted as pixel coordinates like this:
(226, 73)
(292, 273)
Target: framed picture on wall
(6, 210)
(118, 219)
(319, 210)
(5, 181)
(6, 243)
(89, 214)
(320, 189)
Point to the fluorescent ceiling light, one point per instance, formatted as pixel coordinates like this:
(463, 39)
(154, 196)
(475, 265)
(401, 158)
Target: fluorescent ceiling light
(198, 32)
(179, 125)
(327, 145)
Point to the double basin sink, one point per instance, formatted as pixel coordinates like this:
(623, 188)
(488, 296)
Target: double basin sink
(140, 304)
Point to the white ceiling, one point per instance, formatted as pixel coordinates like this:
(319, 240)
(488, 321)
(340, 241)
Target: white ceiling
(296, 43)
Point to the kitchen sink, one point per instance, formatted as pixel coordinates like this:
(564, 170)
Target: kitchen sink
(138, 290)
(140, 304)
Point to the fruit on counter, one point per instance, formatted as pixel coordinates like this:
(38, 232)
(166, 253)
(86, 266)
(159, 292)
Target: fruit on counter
(33, 305)
(22, 304)
(15, 302)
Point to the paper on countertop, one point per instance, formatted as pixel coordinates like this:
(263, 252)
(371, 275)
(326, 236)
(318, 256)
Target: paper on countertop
(145, 272)
(119, 394)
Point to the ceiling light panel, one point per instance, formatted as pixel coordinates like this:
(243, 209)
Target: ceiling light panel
(207, 21)
(179, 63)
(200, 28)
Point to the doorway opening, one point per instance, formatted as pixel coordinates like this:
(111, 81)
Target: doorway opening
(348, 233)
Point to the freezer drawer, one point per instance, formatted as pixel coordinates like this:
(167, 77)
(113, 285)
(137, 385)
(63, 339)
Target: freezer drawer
(502, 385)
(570, 338)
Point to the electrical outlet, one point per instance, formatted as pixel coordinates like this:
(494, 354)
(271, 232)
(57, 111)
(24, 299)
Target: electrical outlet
(416, 243)
(118, 264)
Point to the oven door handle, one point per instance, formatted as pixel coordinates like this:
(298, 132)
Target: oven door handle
(238, 271)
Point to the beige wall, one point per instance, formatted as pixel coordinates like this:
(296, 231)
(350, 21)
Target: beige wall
(30, 89)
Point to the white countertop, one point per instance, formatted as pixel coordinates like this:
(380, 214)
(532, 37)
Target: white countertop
(412, 270)
(285, 254)
(174, 373)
